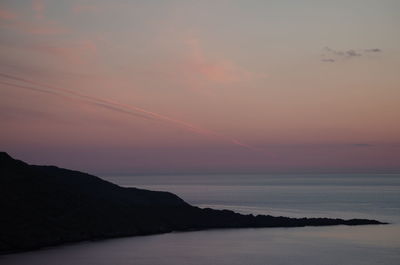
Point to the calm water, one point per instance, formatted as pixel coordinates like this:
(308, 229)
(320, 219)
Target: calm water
(346, 196)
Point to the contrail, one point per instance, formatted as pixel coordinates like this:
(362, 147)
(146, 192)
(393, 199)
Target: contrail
(79, 99)
(99, 101)
(116, 106)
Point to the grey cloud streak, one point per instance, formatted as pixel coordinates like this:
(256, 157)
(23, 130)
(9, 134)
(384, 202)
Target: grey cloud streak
(373, 50)
(331, 55)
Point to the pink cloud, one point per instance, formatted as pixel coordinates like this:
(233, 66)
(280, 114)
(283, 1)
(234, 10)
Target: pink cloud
(216, 70)
(7, 14)
(222, 71)
(40, 26)
(38, 6)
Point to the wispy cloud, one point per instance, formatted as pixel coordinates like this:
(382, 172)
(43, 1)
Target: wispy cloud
(38, 7)
(214, 69)
(352, 53)
(373, 50)
(38, 24)
(328, 60)
(116, 106)
(6, 14)
(331, 55)
(82, 99)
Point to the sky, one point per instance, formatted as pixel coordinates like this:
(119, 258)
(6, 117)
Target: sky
(224, 86)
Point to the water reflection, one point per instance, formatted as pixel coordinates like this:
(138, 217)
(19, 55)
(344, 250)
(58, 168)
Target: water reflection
(310, 245)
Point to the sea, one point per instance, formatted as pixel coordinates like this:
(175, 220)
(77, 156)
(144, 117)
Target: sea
(372, 196)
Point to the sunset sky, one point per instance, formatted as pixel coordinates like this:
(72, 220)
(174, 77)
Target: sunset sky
(201, 86)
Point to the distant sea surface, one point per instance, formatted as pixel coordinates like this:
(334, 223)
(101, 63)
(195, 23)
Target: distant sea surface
(373, 196)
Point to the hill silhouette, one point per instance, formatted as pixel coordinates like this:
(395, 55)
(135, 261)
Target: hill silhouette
(46, 205)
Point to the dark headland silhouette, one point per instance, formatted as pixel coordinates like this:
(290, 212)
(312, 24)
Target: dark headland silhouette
(46, 205)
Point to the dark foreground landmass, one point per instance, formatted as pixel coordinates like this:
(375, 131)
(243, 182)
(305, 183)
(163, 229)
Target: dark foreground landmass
(46, 205)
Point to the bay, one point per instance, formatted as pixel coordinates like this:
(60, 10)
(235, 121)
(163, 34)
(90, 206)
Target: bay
(374, 196)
